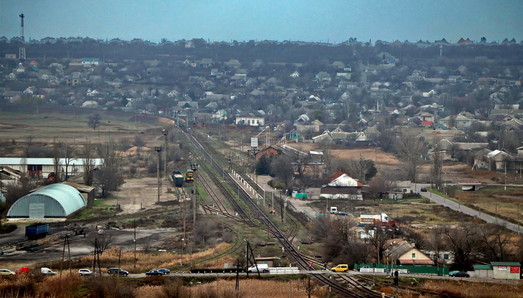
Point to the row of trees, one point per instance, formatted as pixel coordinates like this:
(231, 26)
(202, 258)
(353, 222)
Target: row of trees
(468, 243)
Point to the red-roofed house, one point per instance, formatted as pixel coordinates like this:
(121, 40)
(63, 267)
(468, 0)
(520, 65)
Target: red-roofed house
(341, 186)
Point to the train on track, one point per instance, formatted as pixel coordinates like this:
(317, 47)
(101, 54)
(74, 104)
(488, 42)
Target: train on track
(189, 175)
(177, 178)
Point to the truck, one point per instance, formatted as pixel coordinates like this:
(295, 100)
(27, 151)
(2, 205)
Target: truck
(36, 231)
(177, 178)
(381, 219)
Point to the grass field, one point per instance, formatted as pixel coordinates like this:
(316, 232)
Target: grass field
(48, 125)
(507, 203)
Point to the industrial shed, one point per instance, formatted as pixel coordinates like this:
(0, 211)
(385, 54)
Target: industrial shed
(55, 200)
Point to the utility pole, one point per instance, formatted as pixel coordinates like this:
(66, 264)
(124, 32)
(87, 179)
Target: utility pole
(195, 171)
(134, 240)
(158, 149)
(165, 133)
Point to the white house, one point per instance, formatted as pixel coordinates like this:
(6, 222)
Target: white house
(250, 121)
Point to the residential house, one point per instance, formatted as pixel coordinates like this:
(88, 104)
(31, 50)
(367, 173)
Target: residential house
(402, 252)
(268, 152)
(460, 121)
(341, 186)
(250, 120)
(498, 160)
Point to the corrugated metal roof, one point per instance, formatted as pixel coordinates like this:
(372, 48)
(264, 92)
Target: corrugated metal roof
(482, 267)
(58, 200)
(44, 161)
(505, 264)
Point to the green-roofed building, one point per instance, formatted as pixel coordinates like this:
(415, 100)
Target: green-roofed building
(52, 201)
(483, 270)
(506, 270)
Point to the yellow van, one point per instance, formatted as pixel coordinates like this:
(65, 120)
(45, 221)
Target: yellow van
(340, 268)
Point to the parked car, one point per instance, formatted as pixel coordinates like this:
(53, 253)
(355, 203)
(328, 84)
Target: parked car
(153, 272)
(6, 272)
(85, 272)
(47, 271)
(459, 274)
(423, 189)
(164, 271)
(118, 271)
(22, 270)
(340, 268)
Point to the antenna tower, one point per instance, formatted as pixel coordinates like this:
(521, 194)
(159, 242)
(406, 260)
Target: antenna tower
(21, 49)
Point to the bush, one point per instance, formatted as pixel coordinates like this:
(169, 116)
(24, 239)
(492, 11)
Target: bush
(7, 228)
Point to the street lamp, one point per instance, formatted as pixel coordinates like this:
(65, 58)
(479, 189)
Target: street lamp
(158, 149)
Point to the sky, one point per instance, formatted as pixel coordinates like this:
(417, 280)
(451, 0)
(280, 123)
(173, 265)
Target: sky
(330, 21)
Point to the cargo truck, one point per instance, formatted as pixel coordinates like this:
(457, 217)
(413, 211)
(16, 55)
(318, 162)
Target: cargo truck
(37, 230)
(381, 219)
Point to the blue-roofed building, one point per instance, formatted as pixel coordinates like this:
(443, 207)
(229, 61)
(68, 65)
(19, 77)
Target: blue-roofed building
(52, 201)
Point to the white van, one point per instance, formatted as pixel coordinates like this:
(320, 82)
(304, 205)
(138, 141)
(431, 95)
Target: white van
(47, 271)
(261, 267)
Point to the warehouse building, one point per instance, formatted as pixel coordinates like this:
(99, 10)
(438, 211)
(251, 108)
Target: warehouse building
(37, 167)
(52, 201)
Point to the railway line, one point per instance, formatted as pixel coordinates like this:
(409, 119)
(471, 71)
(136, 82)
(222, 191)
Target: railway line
(354, 288)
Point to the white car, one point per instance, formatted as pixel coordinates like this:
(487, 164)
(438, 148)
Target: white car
(85, 272)
(6, 272)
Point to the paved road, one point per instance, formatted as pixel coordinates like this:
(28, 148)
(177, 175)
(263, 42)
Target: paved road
(466, 210)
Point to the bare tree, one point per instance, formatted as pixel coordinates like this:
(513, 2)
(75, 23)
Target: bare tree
(108, 175)
(464, 242)
(377, 239)
(411, 150)
(361, 169)
(94, 121)
(102, 241)
(56, 160)
(496, 243)
(437, 243)
(437, 165)
(88, 164)
(340, 242)
(382, 183)
(67, 154)
(283, 170)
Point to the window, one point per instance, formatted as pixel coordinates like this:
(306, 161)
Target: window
(446, 256)
(413, 255)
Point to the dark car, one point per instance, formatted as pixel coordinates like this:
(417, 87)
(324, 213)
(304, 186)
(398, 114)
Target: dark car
(459, 274)
(153, 272)
(423, 189)
(118, 271)
(164, 271)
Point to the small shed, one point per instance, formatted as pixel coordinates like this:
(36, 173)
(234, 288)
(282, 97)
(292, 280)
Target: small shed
(506, 270)
(270, 261)
(483, 271)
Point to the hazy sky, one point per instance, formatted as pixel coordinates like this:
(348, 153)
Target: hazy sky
(304, 20)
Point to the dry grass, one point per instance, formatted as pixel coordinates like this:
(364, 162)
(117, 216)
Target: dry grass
(147, 261)
(466, 289)
(227, 288)
(495, 200)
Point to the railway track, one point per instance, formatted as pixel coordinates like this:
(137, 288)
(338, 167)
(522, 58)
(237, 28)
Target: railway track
(356, 288)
